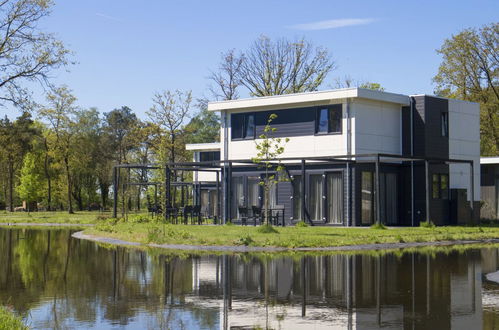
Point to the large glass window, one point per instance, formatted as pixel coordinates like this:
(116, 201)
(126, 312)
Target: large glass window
(335, 197)
(445, 124)
(243, 126)
(388, 200)
(253, 192)
(297, 197)
(328, 119)
(237, 190)
(367, 196)
(315, 206)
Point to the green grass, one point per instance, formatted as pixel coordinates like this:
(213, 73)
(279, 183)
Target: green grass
(289, 237)
(81, 217)
(9, 321)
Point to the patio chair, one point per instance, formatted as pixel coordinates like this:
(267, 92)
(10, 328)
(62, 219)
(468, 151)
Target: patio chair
(186, 212)
(243, 214)
(257, 214)
(196, 213)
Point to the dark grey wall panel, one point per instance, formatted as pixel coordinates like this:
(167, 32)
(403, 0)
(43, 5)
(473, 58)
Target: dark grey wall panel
(436, 144)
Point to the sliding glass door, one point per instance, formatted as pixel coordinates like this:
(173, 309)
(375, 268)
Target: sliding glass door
(237, 189)
(388, 200)
(334, 183)
(367, 198)
(253, 192)
(297, 197)
(316, 204)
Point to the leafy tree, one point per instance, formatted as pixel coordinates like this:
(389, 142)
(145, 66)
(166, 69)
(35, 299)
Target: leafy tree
(470, 71)
(168, 113)
(26, 54)
(120, 123)
(347, 82)
(30, 186)
(61, 118)
(16, 140)
(270, 67)
(203, 127)
(269, 149)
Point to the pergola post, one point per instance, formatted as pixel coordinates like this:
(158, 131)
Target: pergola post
(228, 196)
(217, 213)
(472, 191)
(377, 190)
(427, 190)
(303, 195)
(167, 192)
(115, 192)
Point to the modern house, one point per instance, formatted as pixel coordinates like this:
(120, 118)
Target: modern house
(354, 157)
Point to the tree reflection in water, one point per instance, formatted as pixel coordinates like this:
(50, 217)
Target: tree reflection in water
(62, 282)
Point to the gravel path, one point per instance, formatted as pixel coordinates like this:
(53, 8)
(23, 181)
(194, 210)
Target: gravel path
(227, 248)
(36, 224)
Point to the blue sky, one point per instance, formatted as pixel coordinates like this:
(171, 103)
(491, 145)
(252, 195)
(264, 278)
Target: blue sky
(127, 50)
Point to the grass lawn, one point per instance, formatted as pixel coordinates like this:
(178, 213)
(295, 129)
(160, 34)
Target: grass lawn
(290, 237)
(80, 217)
(9, 321)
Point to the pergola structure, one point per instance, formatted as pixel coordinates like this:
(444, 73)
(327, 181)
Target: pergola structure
(224, 169)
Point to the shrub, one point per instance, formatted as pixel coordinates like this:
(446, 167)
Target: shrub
(267, 229)
(229, 223)
(427, 224)
(378, 225)
(160, 235)
(244, 240)
(138, 218)
(9, 320)
(102, 217)
(301, 224)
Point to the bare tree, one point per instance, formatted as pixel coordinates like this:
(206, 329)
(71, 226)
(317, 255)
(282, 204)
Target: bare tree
(273, 68)
(26, 54)
(227, 78)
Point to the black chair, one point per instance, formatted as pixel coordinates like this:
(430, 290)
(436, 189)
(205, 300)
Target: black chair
(186, 212)
(257, 214)
(243, 214)
(196, 213)
(277, 215)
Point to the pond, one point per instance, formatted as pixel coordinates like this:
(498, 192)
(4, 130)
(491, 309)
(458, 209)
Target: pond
(57, 281)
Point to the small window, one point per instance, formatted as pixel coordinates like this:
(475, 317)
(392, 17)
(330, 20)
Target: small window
(444, 186)
(445, 124)
(243, 126)
(328, 120)
(440, 186)
(435, 186)
(208, 156)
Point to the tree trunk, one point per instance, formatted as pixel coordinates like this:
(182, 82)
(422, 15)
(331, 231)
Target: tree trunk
(68, 177)
(104, 190)
(47, 176)
(11, 185)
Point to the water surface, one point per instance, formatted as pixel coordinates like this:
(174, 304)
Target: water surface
(60, 282)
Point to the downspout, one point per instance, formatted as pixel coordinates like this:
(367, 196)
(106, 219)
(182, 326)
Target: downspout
(349, 153)
(411, 109)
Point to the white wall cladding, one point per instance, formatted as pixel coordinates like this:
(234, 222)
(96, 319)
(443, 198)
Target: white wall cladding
(377, 127)
(464, 143)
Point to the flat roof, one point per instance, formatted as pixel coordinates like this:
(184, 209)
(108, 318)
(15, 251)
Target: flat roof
(203, 146)
(309, 97)
(489, 160)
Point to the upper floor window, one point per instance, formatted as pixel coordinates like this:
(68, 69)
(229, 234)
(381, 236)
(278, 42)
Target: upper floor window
(445, 124)
(208, 156)
(328, 120)
(243, 126)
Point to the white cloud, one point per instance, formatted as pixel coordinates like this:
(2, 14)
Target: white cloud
(332, 24)
(111, 18)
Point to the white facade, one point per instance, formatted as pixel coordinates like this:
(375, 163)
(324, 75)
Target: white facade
(464, 143)
(203, 176)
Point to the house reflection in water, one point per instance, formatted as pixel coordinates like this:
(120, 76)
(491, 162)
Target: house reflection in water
(343, 291)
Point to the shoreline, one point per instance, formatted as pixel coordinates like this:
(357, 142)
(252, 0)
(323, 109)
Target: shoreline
(237, 248)
(44, 224)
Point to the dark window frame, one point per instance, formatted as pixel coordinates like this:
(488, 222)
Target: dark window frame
(244, 119)
(209, 156)
(338, 108)
(441, 192)
(444, 124)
